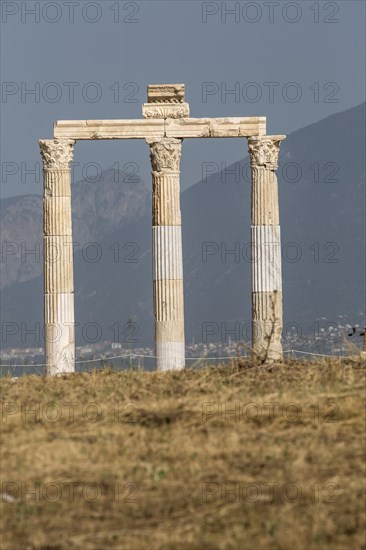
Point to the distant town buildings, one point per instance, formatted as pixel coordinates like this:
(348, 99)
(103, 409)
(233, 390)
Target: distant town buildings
(332, 340)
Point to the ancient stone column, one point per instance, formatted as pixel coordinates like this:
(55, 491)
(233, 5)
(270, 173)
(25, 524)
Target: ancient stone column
(166, 101)
(266, 249)
(58, 257)
(167, 254)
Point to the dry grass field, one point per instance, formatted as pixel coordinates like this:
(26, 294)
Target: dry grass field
(236, 457)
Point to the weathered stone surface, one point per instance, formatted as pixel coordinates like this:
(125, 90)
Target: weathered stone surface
(156, 129)
(266, 248)
(267, 325)
(171, 355)
(54, 221)
(263, 151)
(57, 154)
(166, 199)
(165, 110)
(110, 129)
(167, 254)
(169, 331)
(165, 93)
(165, 155)
(58, 264)
(168, 300)
(58, 256)
(267, 306)
(266, 258)
(57, 182)
(59, 333)
(165, 101)
(215, 127)
(264, 201)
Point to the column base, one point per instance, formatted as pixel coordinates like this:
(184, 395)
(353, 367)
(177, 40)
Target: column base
(267, 325)
(170, 356)
(64, 354)
(59, 333)
(267, 346)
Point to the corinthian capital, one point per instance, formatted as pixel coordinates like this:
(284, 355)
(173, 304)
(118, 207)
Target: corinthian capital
(263, 151)
(57, 154)
(165, 154)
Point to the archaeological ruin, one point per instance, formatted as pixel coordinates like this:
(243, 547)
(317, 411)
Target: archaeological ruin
(164, 126)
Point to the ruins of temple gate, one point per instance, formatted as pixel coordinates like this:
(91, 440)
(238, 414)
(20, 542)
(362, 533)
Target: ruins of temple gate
(165, 125)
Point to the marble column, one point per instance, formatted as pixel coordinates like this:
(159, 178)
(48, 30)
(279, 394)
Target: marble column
(267, 315)
(167, 254)
(57, 156)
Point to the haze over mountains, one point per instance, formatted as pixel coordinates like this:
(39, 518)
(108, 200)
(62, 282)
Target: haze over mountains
(322, 209)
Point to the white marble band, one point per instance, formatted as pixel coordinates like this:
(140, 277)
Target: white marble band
(170, 355)
(59, 307)
(59, 332)
(167, 252)
(266, 258)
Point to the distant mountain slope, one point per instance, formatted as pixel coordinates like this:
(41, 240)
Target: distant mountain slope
(322, 209)
(98, 208)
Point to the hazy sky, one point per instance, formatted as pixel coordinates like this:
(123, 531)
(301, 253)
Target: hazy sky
(295, 62)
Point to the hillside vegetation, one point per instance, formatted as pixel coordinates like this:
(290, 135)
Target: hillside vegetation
(249, 457)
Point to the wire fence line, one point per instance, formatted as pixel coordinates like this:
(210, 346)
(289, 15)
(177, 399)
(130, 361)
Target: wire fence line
(200, 358)
(310, 353)
(132, 356)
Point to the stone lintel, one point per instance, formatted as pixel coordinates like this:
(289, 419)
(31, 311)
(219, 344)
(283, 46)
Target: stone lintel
(156, 129)
(215, 127)
(109, 129)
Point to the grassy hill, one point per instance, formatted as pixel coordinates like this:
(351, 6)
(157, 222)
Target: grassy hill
(248, 457)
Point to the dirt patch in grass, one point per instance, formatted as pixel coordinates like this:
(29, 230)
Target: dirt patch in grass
(248, 457)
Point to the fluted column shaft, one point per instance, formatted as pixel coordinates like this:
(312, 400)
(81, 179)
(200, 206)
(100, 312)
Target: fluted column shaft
(58, 257)
(267, 317)
(167, 254)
